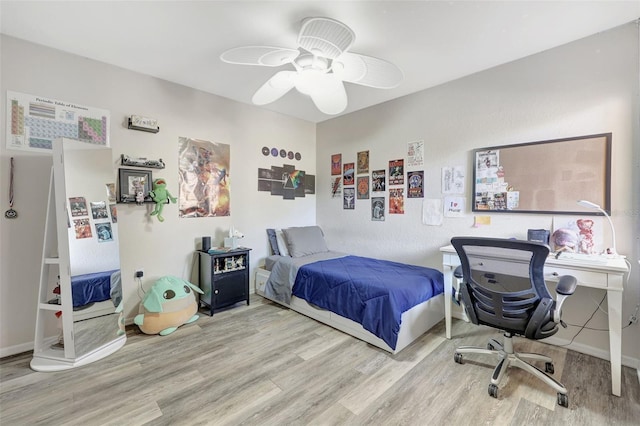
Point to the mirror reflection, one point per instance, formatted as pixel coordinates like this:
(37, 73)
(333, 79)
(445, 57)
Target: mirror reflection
(94, 255)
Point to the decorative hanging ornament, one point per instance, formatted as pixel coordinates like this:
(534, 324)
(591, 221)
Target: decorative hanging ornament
(11, 213)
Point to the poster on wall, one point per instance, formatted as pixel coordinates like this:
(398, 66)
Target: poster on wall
(415, 154)
(453, 180)
(363, 162)
(416, 184)
(99, 210)
(82, 228)
(396, 201)
(378, 180)
(349, 174)
(336, 186)
(336, 164)
(363, 187)
(78, 206)
(104, 233)
(348, 199)
(203, 178)
(377, 209)
(454, 206)
(396, 172)
(33, 122)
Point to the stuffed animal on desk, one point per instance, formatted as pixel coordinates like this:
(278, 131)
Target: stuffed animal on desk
(167, 305)
(161, 196)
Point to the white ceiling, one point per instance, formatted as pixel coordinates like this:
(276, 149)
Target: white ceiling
(433, 42)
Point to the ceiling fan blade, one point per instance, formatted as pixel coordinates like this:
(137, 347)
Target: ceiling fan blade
(329, 95)
(260, 55)
(367, 71)
(275, 87)
(325, 37)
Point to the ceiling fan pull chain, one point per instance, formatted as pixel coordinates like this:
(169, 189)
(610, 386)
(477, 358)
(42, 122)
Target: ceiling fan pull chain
(11, 213)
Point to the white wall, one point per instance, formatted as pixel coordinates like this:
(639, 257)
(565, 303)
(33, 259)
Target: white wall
(160, 248)
(587, 87)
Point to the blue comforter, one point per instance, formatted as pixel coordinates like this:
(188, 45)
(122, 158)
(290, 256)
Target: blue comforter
(371, 292)
(89, 288)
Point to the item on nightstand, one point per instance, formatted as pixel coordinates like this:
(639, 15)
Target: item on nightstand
(161, 196)
(167, 305)
(232, 241)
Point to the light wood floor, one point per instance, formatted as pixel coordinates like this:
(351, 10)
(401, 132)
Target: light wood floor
(265, 365)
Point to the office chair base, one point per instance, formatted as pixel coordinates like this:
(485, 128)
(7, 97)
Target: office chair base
(508, 358)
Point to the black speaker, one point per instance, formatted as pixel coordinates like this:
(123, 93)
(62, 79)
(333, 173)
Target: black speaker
(538, 235)
(206, 243)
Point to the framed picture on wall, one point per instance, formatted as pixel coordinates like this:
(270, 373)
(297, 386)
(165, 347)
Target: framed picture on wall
(134, 185)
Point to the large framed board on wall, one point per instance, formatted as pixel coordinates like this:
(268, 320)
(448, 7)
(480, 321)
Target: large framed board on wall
(543, 177)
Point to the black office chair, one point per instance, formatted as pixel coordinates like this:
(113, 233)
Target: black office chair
(502, 286)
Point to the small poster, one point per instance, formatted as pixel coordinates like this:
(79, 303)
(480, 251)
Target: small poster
(103, 231)
(348, 199)
(454, 206)
(396, 172)
(396, 201)
(377, 209)
(114, 213)
(336, 186)
(378, 180)
(363, 162)
(78, 207)
(82, 228)
(99, 210)
(349, 174)
(111, 192)
(363, 187)
(415, 154)
(336, 164)
(416, 184)
(453, 180)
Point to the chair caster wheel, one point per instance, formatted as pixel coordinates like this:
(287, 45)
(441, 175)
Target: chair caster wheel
(548, 368)
(493, 391)
(563, 400)
(457, 358)
(490, 347)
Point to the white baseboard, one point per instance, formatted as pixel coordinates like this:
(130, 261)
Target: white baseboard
(590, 350)
(17, 349)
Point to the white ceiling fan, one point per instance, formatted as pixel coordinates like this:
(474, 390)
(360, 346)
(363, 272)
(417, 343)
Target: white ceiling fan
(322, 63)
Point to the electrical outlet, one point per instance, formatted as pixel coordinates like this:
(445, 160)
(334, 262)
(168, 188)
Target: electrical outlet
(139, 273)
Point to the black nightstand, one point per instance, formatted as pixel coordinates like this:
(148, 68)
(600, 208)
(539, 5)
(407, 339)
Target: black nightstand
(224, 278)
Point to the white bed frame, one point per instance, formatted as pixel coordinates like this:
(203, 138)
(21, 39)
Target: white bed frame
(415, 322)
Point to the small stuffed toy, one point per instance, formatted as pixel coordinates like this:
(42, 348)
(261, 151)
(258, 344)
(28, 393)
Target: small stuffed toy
(167, 305)
(160, 195)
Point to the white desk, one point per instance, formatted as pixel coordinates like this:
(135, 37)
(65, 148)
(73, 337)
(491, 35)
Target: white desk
(607, 276)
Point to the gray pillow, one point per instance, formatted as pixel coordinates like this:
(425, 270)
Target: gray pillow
(304, 240)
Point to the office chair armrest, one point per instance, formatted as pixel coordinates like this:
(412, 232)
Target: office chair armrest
(458, 272)
(566, 286)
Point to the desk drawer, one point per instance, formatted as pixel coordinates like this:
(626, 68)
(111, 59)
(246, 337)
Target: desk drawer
(585, 278)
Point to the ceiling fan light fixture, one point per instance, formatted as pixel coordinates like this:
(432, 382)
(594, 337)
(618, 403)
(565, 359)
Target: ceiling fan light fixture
(309, 80)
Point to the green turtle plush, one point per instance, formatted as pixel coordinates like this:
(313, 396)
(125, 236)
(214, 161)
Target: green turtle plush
(169, 303)
(161, 196)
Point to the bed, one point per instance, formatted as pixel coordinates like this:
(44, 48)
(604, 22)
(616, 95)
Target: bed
(386, 304)
(95, 294)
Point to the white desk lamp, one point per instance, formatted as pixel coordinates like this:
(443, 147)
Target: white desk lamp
(589, 204)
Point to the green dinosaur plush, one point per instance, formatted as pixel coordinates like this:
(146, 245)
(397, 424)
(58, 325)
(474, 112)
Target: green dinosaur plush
(161, 196)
